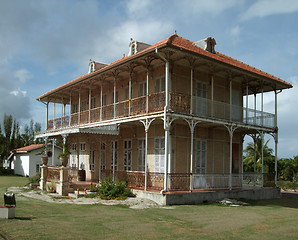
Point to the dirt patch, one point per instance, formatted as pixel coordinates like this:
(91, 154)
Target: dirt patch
(134, 203)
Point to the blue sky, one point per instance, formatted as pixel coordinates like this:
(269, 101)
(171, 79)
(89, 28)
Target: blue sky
(44, 44)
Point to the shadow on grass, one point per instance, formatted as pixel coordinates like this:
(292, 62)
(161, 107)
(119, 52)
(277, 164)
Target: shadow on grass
(289, 202)
(24, 218)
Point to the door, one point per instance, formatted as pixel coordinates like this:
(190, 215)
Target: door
(200, 99)
(159, 155)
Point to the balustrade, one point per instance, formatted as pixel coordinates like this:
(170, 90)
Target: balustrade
(178, 102)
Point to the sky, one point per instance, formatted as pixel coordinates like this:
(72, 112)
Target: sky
(44, 44)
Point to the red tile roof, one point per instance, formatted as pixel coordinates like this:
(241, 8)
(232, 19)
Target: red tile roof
(182, 44)
(28, 148)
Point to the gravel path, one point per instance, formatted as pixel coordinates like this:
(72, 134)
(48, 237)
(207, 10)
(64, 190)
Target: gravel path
(135, 203)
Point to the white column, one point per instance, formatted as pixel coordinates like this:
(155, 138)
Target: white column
(212, 94)
(79, 114)
(262, 106)
(231, 100)
(166, 159)
(146, 156)
(89, 117)
(246, 115)
(70, 109)
(191, 90)
(191, 156)
(47, 120)
(101, 103)
(54, 121)
(167, 82)
(129, 93)
(262, 156)
(147, 91)
(255, 108)
(114, 97)
(276, 140)
(53, 151)
(231, 159)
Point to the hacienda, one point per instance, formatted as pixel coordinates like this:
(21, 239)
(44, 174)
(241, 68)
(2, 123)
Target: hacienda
(170, 118)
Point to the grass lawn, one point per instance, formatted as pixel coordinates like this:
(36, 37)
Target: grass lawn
(270, 219)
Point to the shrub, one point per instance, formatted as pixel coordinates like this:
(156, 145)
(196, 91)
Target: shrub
(114, 190)
(287, 185)
(6, 172)
(34, 179)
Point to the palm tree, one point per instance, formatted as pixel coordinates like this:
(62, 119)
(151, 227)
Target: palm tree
(254, 154)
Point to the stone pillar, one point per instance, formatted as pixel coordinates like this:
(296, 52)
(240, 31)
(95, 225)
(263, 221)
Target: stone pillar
(62, 188)
(43, 178)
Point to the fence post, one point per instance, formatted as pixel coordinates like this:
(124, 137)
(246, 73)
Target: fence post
(43, 178)
(62, 187)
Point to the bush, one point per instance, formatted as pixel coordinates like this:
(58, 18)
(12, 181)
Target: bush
(114, 190)
(287, 185)
(6, 172)
(34, 179)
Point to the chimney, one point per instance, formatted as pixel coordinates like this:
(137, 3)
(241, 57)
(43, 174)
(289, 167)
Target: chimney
(207, 44)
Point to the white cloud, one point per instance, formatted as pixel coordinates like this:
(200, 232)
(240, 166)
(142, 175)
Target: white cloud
(213, 7)
(22, 75)
(18, 92)
(263, 8)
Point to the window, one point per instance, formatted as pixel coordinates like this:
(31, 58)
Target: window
(92, 157)
(200, 98)
(114, 157)
(73, 156)
(93, 102)
(159, 154)
(37, 168)
(142, 89)
(83, 147)
(141, 155)
(74, 108)
(200, 156)
(103, 156)
(127, 155)
(160, 84)
(83, 105)
(74, 147)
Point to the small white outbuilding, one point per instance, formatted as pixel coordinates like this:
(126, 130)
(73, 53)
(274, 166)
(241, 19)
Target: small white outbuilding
(26, 161)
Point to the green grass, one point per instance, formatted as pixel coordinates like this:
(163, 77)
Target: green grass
(270, 219)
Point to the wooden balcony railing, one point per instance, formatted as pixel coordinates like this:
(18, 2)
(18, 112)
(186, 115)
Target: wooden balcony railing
(180, 103)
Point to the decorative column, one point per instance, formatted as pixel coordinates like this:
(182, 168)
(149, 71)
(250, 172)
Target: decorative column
(275, 139)
(262, 156)
(192, 124)
(146, 124)
(101, 103)
(47, 122)
(70, 109)
(79, 115)
(246, 115)
(231, 130)
(191, 90)
(212, 94)
(89, 117)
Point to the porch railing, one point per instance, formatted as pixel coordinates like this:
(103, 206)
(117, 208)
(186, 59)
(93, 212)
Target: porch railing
(178, 102)
(181, 181)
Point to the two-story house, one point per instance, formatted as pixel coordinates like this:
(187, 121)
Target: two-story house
(169, 116)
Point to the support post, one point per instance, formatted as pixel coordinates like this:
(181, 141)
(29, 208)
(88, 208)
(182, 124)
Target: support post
(147, 90)
(129, 94)
(54, 123)
(212, 94)
(146, 124)
(246, 115)
(255, 108)
(100, 103)
(262, 156)
(275, 140)
(89, 116)
(71, 111)
(191, 90)
(231, 101)
(79, 115)
(47, 122)
(262, 106)
(114, 97)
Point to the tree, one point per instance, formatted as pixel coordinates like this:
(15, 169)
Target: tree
(288, 168)
(252, 152)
